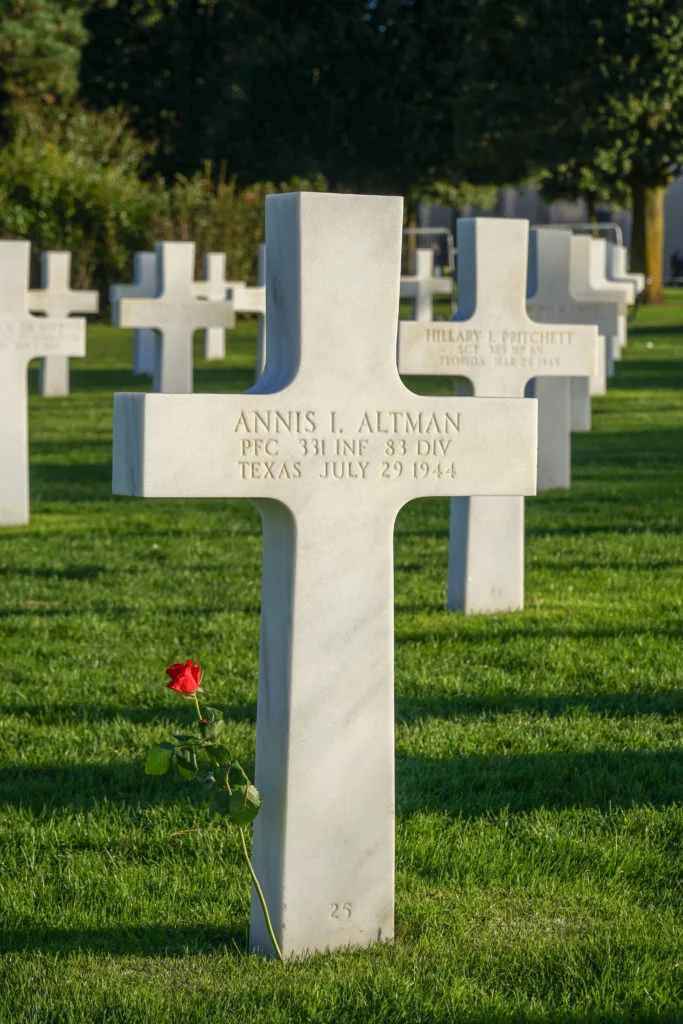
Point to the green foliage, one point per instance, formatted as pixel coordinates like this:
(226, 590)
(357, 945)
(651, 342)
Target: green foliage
(74, 179)
(589, 92)
(40, 50)
(72, 182)
(231, 794)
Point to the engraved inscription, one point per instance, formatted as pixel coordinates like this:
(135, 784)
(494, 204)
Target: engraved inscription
(385, 444)
(533, 349)
(340, 911)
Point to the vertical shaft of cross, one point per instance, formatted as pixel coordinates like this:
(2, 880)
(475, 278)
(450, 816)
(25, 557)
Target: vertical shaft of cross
(261, 337)
(14, 487)
(214, 273)
(486, 533)
(326, 853)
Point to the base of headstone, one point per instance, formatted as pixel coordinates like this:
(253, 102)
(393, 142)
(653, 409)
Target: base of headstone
(144, 342)
(580, 405)
(53, 377)
(486, 555)
(214, 343)
(554, 434)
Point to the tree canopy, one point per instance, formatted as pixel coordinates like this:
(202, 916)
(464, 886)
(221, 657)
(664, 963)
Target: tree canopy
(419, 97)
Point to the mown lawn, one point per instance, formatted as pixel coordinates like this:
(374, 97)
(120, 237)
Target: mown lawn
(539, 755)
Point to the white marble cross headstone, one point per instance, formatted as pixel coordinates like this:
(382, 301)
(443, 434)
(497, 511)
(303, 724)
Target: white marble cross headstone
(23, 337)
(244, 299)
(423, 285)
(617, 267)
(176, 314)
(495, 344)
(56, 299)
(564, 405)
(330, 445)
(144, 287)
(589, 278)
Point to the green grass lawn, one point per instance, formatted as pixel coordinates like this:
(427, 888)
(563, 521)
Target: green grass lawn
(539, 755)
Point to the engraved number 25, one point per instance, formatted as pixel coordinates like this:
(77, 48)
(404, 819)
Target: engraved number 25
(340, 911)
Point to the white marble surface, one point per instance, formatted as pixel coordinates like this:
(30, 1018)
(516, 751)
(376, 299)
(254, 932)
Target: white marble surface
(493, 342)
(175, 313)
(589, 279)
(144, 287)
(213, 287)
(55, 298)
(330, 445)
(261, 337)
(23, 337)
(617, 267)
(423, 284)
(552, 262)
(245, 299)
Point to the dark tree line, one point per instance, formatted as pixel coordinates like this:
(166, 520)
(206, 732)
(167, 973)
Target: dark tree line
(407, 96)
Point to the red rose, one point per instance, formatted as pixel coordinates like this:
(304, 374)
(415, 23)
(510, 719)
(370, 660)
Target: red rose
(184, 678)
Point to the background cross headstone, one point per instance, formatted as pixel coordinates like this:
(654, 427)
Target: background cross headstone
(23, 337)
(552, 299)
(423, 285)
(144, 287)
(589, 265)
(175, 314)
(494, 343)
(55, 298)
(330, 445)
(617, 267)
(244, 299)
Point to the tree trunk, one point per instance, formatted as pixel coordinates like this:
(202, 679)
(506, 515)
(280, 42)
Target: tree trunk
(647, 244)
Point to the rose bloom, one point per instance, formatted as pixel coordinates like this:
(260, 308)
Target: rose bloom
(184, 678)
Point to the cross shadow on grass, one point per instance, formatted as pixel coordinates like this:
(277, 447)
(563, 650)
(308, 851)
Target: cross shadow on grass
(174, 715)
(134, 940)
(468, 786)
(609, 705)
(483, 784)
(647, 375)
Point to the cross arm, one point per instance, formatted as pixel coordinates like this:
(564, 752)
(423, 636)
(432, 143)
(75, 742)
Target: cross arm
(160, 313)
(42, 301)
(281, 447)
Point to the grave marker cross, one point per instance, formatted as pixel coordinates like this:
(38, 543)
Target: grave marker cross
(244, 299)
(496, 345)
(55, 298)
(23, 337)
(423, 285)
(175, 313)
(144, 287)
(330, 445)
(617, 267)
(554, 297)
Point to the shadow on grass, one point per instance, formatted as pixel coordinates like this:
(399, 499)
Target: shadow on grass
(228, 380)
(76, 572)
(609, 705)
(134, 940)
(456, 624)
(483, 784)
(468, 786)
(648, 375)
(174, 715)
